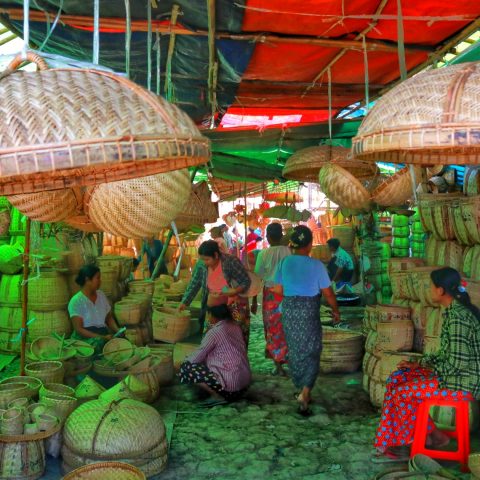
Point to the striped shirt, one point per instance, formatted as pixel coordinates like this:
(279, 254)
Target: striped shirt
(457, 363)
(223, 352)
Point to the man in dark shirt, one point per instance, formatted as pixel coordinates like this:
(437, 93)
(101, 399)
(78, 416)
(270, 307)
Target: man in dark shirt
(153, 248)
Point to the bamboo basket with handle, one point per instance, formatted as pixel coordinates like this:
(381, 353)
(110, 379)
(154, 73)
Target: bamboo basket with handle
(122, 131)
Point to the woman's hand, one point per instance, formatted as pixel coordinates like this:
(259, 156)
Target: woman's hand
(404, 364)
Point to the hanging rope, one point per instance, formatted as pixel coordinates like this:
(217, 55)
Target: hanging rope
(401, 42)
(128, 37)
(365, 66)
(26, 27)
(329, 75)
(157, 47)
(96, 32)
(149, 45)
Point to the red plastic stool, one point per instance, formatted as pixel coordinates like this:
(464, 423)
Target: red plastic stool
(461, 432)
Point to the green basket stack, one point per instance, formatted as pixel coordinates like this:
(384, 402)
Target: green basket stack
(400, 236)
(418, 236)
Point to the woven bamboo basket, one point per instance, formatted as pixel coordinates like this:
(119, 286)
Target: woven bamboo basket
(12, 391)
(11, 318)
(88, 389)
(430, 119)
(305, 164)
(56, 388)
(117, 350)
(53, 206)
(392, 313)
(389, 361)
(471, 181)
(370, 318)
(199, 209)
(33, 384)
(371, 364)
(458, 224)
(395, 336)
(366, 383)
(400, 284)
(11, 290)
(106, 471)
(343, 188)
(397, 189)
(11, 259)
(470, 208)
(140, 207)
(371, 341)
(345, 234)
(377, 393)
(142, 286)
(62, 405)
(47, 372)
(420, 315)
(22, 460)
(48, 292)
(403, 264)
(128, 312)
(169, 325)
(9, 343)
(47, 323)
(122, 132)
(422, 284)
(126, 430)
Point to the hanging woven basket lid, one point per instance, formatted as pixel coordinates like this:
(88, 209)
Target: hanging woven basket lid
(199, 209)
(397, 189)
(71, 127)
(343, 188)
(432, 118)
(139, 207)
(231, 190)
(305, 164)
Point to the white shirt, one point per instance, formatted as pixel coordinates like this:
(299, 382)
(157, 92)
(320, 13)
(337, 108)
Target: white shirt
(267, 261)
(92, 314)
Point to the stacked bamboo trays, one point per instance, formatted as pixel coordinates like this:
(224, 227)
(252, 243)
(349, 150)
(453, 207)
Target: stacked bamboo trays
(389, 331)
(114, 245)
(342, 350)
(417, 236)
(126, 430)
(378, 254)
(400, 234)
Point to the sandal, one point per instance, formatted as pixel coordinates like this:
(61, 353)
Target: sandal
(389, 457)
(304, 411)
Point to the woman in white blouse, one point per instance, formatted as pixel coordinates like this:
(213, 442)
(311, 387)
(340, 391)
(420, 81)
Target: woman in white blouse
(90, 311)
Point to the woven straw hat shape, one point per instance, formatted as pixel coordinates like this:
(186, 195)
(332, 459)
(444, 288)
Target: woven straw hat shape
(431, 118)
(72, 127)
(124, 429)
(397, 189)
(139, 207)
(305, 164)
(343, 188)
(53, 206)
(199, 208)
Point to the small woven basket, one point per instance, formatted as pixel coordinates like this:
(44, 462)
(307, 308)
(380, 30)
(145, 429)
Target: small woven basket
(121, 131)
(47, 372)
(343, 188)
(138, 208)
(106, 471)
(57, 389)
(305, 164)
(34, 384)
(429, 119)
(12, 391)
(117, 350)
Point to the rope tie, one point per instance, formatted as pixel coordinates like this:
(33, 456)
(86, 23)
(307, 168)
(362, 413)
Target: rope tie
(128, 37)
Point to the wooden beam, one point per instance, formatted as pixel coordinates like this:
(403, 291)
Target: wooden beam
(142, 26)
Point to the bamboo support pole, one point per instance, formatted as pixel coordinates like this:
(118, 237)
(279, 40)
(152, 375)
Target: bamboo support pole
(212, 64)
(5, 40)
(26, 271)
(171, 48)
(257, 37)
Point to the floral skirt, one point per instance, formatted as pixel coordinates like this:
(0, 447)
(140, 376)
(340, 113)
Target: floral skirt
(276, 345)
(406, 390)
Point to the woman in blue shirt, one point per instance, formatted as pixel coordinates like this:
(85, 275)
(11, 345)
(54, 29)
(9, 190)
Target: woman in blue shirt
(302, 280)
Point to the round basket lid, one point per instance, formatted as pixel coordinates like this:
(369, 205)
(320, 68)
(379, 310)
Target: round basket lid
(343, 188)
(430, 119)
(140, 207)
(71, 127)
(305, 164)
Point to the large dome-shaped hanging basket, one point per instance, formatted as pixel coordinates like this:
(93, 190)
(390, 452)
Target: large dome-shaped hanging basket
(397, 189)
(53, 206)
(199, 209)
(305, 164)
(343, 188)
(432, 118)
(140, 207)
(70, 127)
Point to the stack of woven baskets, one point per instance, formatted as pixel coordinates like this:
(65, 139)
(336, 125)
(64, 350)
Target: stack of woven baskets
(400, 234)
(418, 236)
(115, 271)
(342, 350)
(125, 430)
(114, 245)
(10, 312)
(389, 331)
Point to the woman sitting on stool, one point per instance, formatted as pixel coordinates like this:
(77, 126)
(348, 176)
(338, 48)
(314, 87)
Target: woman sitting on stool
(453, 373)
(220, 365)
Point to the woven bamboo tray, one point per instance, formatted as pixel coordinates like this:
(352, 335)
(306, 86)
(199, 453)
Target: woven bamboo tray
(111, 129)
(430, 119)
(106, 471)
(305, 164)
(31, 437)
(343, 188)
(397, 189)
(140, 207)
